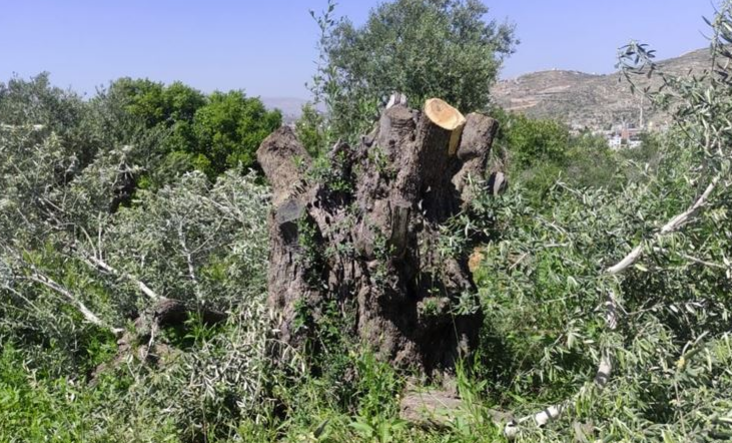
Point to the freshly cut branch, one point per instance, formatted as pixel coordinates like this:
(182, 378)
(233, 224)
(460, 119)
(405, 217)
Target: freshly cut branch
(189, 261)
(91, 317)
(627, 261)
(448, 118)
(672, 226)
(680, 220)
(104, 266)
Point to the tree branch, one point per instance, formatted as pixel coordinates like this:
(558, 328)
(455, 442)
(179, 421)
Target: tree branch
(612, 313)
(189, 261)
(91, 317)
(102, 265)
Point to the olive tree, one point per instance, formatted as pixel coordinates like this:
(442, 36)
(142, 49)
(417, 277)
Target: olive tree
(74, 263)
(642, 277)
(421, 48)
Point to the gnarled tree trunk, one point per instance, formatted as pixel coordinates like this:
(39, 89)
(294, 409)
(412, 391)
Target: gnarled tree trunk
(365, 233)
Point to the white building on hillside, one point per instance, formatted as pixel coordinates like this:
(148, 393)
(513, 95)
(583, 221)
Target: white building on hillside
(615, 142)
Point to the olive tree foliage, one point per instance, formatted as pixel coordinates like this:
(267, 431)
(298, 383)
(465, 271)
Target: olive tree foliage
(421, 48)
(197, 242)
(630, 289)
(72, 265)
(77, 267)
(545, 294)
(37, 103)
(73, 276)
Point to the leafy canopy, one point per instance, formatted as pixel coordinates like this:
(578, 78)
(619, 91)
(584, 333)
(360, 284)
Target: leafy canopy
(422, 48)
(230, 129)
(207, 133)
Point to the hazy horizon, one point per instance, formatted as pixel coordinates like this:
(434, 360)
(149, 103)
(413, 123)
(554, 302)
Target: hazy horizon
(268, 49)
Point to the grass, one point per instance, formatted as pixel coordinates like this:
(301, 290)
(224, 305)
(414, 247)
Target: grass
(124, 406)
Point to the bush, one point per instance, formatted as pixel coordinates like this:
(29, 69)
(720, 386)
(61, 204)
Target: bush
(176, 129)
(230, 128)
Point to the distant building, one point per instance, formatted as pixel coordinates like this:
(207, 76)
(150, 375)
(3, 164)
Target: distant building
(630, 133)
(624, 136)
(615, 141)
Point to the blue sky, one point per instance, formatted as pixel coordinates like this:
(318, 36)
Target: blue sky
(267, 47)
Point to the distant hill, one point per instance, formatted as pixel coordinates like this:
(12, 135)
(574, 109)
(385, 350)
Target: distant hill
(587, 100)
(291, 107)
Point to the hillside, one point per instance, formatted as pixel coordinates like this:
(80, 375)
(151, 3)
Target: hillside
(290, 107)
(577, 98)
(581, 99)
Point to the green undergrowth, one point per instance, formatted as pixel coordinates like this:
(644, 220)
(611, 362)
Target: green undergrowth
(128, 403)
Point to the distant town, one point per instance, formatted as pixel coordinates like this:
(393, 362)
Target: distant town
(622, 135)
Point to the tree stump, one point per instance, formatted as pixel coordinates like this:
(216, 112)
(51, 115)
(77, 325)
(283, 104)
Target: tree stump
(364, 233)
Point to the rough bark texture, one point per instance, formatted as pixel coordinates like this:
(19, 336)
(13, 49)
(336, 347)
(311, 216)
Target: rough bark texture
(363, 235)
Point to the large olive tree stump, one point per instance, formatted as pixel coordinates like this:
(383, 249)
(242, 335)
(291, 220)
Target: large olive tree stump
(364, 233)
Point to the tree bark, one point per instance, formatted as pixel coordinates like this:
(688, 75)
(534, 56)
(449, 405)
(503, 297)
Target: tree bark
(365, 235)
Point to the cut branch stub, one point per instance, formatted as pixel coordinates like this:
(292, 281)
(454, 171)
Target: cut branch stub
(283, 159)
(366, 236)
(473, 152)
(448, 118)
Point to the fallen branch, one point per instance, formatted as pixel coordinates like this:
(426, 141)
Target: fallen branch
(89, 316)
(98, 263)
(189, 261)
(612, 311)
(39, 277)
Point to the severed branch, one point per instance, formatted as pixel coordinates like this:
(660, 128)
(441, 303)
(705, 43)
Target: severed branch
(100, 264)
(672, 226)
(612, 311)
(92, 318)
(94, 260)
(39, 277)
(189, 261)
(447, 118)
(683, 218)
